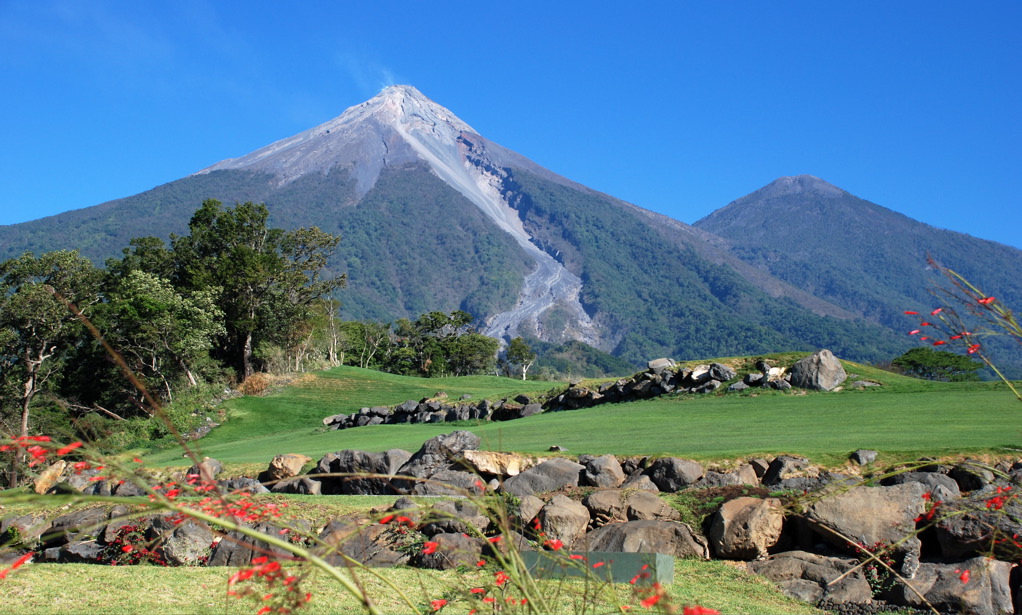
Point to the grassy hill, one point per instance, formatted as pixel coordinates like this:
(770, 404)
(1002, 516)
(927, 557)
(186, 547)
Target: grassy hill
(903, 418)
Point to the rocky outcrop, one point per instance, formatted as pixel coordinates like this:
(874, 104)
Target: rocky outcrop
(819, 371)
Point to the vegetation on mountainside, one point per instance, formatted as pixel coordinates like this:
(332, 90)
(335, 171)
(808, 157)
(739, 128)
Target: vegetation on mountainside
(862, 256)
(415, 245)
(661, 299)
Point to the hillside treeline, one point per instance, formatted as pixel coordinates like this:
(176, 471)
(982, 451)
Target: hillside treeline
(88, 352)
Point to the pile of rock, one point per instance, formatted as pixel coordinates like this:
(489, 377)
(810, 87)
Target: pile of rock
(819, 371)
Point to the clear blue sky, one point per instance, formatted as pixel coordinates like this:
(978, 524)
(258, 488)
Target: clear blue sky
(679, 107)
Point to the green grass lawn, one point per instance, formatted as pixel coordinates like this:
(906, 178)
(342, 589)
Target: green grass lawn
(904, 418)
(151, 590)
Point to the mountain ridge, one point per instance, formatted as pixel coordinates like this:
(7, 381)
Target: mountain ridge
(435, 216)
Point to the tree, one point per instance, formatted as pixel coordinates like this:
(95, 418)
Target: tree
(37, 327)
(161, 333)
(519, 353)
(268, 278)
(931, 364)
(472, 353)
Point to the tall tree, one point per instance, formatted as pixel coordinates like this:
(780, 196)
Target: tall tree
(519, 353)
(37, 328)
(268, 278)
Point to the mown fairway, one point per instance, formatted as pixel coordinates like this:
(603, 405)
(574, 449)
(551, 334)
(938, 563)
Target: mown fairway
(903, 418)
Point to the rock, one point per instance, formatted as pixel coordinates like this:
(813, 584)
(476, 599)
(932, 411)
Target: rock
(49, 477)
(807, 576)
(449, 482)
(721, 372)
(745, 528)
(564, 519)
(354, 472)
(672, 474)
(744, 475)
(207, 469)
(237, 549)
(379, 545)
(864, 456)
(496, 464)
(978, 586)
(300, 485)
(528, 507)
(453, 517)
(284, 466)
(971, 475)
(548, 476)
(782, 467)
(452, 550)
(603, 471)
(659, 365)
(941, 486)
(987, 522)
(641, 482)
(820, 371)
(437, 453)
(871, 515)
(243, 483)
(76, 526)
(668, 537)
(81, 552)
(188, 544)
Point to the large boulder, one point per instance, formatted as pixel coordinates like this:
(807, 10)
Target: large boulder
(438, 453)
(820, 371)
(492, 463)
(648, 536)
(745, 528)
(812, 578)
(603, 471)
(551, 475)
(354, 472)
(978, 586)
(617, 505)
(284, 466)
(451, 550)
(871, 516)
(672, 474)
(564, 519)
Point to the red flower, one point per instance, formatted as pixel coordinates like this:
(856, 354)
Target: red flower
(127, 548)
(985, 301)
(965, 576)
(911, 313)
(973, 349)
(481, 563)
(67, 449)
(649, 602)
(553, 544)
(699, 610)
(913, 332)
(477, 590)
(926, 324)
(436, 605)
(598, 564)
(936, 311)
(501, 577)
(387, 519)
(430, 547)
(939, 343)
(495, 539)
(18, 564)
